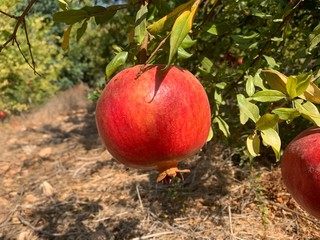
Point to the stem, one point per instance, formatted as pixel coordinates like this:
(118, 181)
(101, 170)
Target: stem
(157, 48)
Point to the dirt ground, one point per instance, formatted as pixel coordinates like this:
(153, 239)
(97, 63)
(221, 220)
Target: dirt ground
(58, 182)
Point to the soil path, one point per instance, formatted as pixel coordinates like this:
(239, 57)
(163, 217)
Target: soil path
(58, 182)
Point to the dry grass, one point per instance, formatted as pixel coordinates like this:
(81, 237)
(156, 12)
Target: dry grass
(58, 182)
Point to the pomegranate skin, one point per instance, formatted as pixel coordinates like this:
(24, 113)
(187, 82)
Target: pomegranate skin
(152, 118)
(300, 170)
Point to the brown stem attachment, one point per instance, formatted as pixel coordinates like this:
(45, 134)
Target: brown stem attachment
(169, 174)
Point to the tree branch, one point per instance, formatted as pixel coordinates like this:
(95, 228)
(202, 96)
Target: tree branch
(13, 38)
(264, 47)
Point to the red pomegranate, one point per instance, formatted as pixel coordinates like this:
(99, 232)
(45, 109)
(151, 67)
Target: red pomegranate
(150, 118)
(300, 170)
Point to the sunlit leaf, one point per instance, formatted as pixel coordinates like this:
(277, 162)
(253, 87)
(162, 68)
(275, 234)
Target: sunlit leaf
(66, 38)
(271, 138)
(247, 108)
(188, 42)
(268, 96)
(266, 121)
(63, 5)
(183, 54)
(276, 80)
(115, 63)
(250, 89)
(210, 136)
(308, 111)
(253, 144)
(181, 28)
(140, 29)
(271, 62)
(167, 21)
(287, 114)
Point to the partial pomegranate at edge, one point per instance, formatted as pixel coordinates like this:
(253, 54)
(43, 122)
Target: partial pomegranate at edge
(300, 170)
(150, 118)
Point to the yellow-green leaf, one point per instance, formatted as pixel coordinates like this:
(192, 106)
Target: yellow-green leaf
(266, 121)
(308, 111)
(276, 80)
(210, 136)
(287, 114)
(271, 138)
(253, 144)
(115, 63)
(181, 28)
(247, 108)
(268, 96)
(166, 22)
(140, 30)
(66, 38)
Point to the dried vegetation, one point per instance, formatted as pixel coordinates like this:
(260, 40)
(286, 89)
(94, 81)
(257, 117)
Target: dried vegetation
(58, 182)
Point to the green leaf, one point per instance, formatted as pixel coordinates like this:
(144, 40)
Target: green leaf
(292, 86)
(105, 15)
(82, 29)
(188, 42)
(303, 82)
(247, 108)
(100, 13)
(266, 121)
(314, 38)
(66, 38)
(183, 54)
(223, 126)
(258, 80)
(166, 22)
(115, 63)
(63, 5)
(308, 111)
(250, 89)
(181, 28)
(140, 30)
(213, 29)
(207, 64)
(70, 16)
(276, 80)
(271, 62)
(268, 96)
(287, 114)
(253, 144)
(271, 137)
(210, 136)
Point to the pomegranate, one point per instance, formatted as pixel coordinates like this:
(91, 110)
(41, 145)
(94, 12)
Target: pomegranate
(300, 170)
(150, 118)
(2, 114)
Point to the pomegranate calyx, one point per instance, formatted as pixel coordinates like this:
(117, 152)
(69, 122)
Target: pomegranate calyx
(169, 174)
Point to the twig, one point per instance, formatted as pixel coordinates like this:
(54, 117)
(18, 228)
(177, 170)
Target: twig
(13, 38)
(29, 46)
(139, 197)
(8, 15)
(295, 212)
(157, 49)
(174, 229)
(153, 235)
(230, 222)
(38, 231)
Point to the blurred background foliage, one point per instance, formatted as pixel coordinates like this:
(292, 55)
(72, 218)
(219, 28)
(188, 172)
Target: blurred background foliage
(230, 42)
